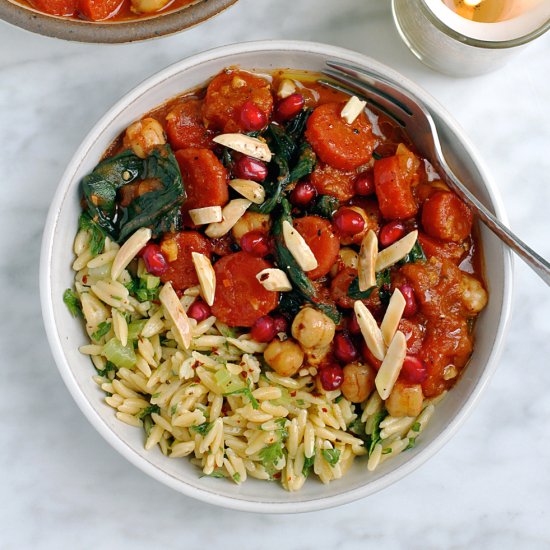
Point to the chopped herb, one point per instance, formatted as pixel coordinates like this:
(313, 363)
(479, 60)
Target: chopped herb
(376, 156)
(412, 443)
(375, 436)
(415, 255)
(108, 368)
(248, 393)
(355, 293)
(358, 428)
(325, 206)
(237, 477)
(73, 303)
(203, 428)
(300, 402)
(332, 456)
(308, 464)
(97, 236)
(383, 283)
(216, 473)
(271, 456)
(155, 395)
(339, 398)
(387, 451)
(102, 330)
(148, 424)
(173, 410)
(416, 427)
(148, 410)
(144, 289)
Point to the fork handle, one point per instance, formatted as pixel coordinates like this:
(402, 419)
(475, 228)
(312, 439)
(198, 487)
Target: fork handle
(536, 262)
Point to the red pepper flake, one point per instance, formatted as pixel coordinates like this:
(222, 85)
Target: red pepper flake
(85, 279)
(293, 394)
(243, 374)
(277, 475)
(156, 302)
(324, 409)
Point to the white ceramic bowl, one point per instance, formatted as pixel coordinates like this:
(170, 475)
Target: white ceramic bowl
(66, 333)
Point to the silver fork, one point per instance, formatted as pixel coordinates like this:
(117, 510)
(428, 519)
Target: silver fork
(412, 115)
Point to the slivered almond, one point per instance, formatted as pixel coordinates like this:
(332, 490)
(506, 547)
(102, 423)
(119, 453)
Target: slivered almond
(249, 189)
(369, 329)
(391, 366)
(231, 214)
(299, 248)
(391, 319)
(174, 312)
(128, 251)
(206, 275)
(208, 214)
(397, 251)
(286, 88)
(352, 109)
(247, 145)
(367, 261)
(274, 279)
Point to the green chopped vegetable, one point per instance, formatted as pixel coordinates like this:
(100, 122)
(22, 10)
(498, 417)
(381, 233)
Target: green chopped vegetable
(102, 330)
(332, 456)
(108, 368)
(148, 410)
(248, 393)
(387, 451)
(237, 477)
(308, 464)
(144, 289)
(215, 473)
(97, 236)
(383, 282)
(135, 328)
(271, 455)
(148, 424)
(73, 303)
(416, 427)
(203, 428)
(412, 443)
(375, 436)
(121, 356)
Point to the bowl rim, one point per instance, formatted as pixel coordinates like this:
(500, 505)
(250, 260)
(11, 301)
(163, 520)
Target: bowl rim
(206, 495)
(115, 32)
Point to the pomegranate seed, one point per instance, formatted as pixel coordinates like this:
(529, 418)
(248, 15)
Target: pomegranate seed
(249, 168)
(353, 325)
(155, 262)
(303, 194)
(369, 357)
(331, 377)
(281, 324)
(289, 107)
(391, 232)
(344, 350)
(414, 370)
(255, 243)
(364, 184)
(252, 117)
(199, 311)
(411, 305)
(263, 329)
(348, 222)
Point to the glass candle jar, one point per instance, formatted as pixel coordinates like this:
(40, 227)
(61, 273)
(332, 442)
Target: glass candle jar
(455, 45)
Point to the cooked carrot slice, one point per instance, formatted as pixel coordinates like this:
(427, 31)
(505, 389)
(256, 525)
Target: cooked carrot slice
(98, 10)
(342, 145)
(446, 217)
(55, 7)
(185, 127)
(331, 181)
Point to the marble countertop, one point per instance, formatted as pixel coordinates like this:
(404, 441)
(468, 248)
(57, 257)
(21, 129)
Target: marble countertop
(64, 487)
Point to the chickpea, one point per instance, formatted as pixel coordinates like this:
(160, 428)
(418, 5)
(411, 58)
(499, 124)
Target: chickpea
(312, 328)
(316, 356)
(285, 358)
(347, 258)
(251, 221)
(148, 6)
(474, 296)
(358, 382)
(405, 400)
(143, 136)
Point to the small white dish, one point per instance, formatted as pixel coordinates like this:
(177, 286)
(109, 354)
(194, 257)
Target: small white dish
(66, 334)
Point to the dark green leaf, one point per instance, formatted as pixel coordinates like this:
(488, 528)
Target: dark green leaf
(148, 410)
(97, 236)
(304, 164)
(376, 156)
(332, 456)
(102, 330)
(325, 206)
(358, 428)
(355, 293)
(72, 302)
(415, 255)
(291, 303)
(108, 368)
(295, 128)
(203, 428)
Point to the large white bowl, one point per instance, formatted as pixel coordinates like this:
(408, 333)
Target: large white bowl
(66, 334)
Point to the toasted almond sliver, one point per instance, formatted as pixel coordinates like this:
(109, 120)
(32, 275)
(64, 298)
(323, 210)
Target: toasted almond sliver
(208, 214)
(367, 261)
(299, 248)
(286, 88)
(352, 109)
(127, 252)
(249, 189)
(174, 311)
(274, 279)
(391, 319)
(231, 214)
(206, 275)
(369, 329)
(397, 251)
(247, 145)
(391, 366)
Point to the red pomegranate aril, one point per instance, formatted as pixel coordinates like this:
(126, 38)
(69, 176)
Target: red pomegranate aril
(289, 107)
(411, 305)
(155, 262)
(199, 311)
(252, 117)
(369, 357)
(364, 184)
(264, 329)
(348, 222)
(248, 168)
(255, 243)
(391, 232)
(332, 377)
(281, 324)
(344, 349)
(353, 325)
(413, 370)
(302, 194)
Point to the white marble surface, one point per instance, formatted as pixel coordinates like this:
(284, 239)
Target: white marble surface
(64, 487)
